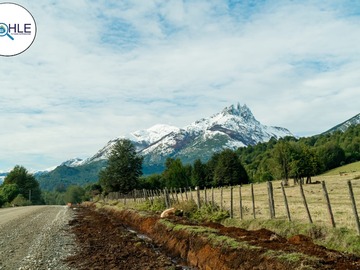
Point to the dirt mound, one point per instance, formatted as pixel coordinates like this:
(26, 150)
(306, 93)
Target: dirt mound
(106, 242)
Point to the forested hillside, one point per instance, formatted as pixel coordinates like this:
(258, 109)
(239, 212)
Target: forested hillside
(303, 157)
(285, 158)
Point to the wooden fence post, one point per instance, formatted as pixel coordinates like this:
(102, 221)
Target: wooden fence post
(198, 197)
(191, 195)
(253, 200)
(304, 201)
(212, 197)
(221, 198)
(231, 203)
(352, 198)
(285, 201)
(240, 202)
(182, 197)
(271, 200)
(172, 194)
(326, 195)
(167, 198)
(176, 194)
(186, 196)
(205, 195)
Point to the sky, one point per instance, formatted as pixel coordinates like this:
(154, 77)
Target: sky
(102, 69)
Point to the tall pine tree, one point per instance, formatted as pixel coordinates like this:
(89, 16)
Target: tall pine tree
(124, 168)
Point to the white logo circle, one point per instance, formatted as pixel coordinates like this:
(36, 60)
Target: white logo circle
(17, 29)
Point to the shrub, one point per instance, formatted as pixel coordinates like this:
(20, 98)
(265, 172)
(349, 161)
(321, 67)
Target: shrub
(20, 201)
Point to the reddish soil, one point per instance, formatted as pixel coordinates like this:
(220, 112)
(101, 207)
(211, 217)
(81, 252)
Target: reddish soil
(105, 243)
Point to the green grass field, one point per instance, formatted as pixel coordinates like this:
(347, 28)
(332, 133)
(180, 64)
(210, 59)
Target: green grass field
(349, 168)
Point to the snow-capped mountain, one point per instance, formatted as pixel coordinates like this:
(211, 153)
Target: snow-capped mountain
(345, 125)
(141, 139)
(233, 127)
(73, 162)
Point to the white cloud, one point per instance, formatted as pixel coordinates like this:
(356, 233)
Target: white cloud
(101, 69)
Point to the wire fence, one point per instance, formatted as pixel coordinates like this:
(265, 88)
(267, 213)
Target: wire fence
(333, 205)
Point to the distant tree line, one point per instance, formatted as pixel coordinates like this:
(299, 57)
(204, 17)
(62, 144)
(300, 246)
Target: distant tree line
(124, 174)
(72, 194)
(301, 158)
(20, 188)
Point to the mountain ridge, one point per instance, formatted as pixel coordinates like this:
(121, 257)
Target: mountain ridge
(236, 125)
(233, 127)
(355, 120)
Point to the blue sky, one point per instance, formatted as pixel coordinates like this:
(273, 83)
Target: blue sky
(101, 69)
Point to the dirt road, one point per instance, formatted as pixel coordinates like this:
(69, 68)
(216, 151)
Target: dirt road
(35, 237)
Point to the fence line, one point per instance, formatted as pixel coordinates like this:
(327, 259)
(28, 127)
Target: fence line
(296, 205)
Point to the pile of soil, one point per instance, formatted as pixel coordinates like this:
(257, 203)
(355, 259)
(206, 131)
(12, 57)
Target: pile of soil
(106, 243)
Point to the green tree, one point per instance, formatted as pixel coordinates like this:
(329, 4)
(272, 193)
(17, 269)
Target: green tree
(282, 155)
(198, 174)
(26, 182)
(9, 192)
(210, 168)
(20, 200)
(123, 170)
(229, 170)
(304, 162)
(332, 155)
(153, 181)
(53, 197)
(74, 194)
(176, 175)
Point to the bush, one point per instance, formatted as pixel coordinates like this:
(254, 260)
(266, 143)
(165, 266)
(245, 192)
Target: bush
(211, 213)
(20, 201)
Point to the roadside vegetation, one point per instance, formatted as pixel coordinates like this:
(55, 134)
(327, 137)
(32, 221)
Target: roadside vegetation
(342, 238)
(20, 188)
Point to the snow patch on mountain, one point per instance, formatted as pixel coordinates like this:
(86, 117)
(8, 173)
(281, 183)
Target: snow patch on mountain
(345, 125)
(233, 127)
(152, 134)
(73, 162)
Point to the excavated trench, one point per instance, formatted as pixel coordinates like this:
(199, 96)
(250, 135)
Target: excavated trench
(106, 242)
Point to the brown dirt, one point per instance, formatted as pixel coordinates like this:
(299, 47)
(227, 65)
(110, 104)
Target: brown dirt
(107, 244)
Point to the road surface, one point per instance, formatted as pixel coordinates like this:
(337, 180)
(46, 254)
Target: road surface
(35, 237)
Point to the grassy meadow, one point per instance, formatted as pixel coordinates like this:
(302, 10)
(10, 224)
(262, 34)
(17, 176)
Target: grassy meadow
(337, 188)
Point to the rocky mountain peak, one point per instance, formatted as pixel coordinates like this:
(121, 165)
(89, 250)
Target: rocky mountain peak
(233, 127)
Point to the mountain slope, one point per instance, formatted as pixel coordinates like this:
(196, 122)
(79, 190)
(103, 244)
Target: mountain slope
(345, 125)
(233, 127)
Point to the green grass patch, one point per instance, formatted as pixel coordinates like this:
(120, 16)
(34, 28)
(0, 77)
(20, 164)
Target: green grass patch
(349, 168)
(341, 239)
(211, 234)
(190, 228)
(294, 258)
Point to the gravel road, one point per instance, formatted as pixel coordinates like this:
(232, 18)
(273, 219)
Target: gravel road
(35, 237)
